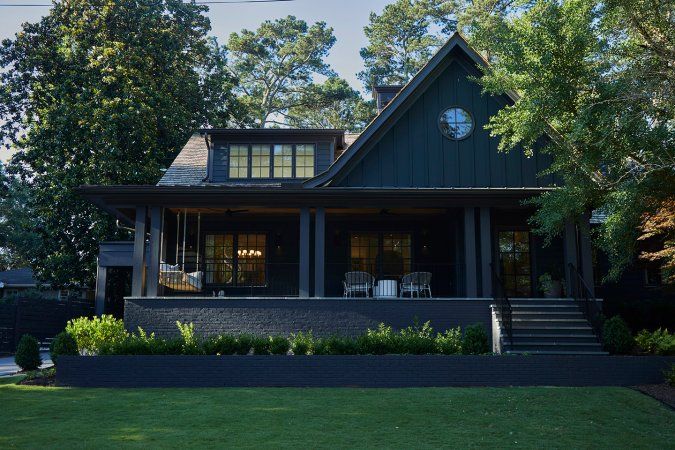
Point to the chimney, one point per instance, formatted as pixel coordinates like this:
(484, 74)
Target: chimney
(384, 94)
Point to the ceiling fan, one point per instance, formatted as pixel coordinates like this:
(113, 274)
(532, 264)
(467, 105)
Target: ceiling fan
(231, 212)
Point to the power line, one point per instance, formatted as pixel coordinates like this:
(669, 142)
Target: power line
(205, 2)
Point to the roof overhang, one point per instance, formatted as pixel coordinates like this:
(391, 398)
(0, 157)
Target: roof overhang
(306, 133)
(122, 200)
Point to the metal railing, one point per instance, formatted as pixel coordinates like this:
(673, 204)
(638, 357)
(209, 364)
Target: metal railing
(503, 304)
(584, 297)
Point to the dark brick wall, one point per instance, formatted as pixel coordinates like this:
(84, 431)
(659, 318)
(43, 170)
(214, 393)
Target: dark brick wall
(284, 316)
(359, 371)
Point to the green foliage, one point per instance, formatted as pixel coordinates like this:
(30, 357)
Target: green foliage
(191, 343)
(302, 343)
(336, 345)
(220, 345)
(616, 336)
(670, 375)
(28, 353)
(260, 345)
(417, 340)
(380, 341)
(63, 344)
(100, 92)
(97, 333)
(244, 344)
(475, 340)
(449, 342)
(402, 39)
(659, 342)
(279, 345)
(597, 78)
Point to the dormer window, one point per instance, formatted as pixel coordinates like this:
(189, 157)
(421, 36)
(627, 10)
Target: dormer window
(271, 161)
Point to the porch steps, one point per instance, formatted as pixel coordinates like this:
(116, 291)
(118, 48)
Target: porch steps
(549, 326)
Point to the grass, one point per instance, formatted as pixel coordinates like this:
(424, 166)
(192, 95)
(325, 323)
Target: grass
(36, 417)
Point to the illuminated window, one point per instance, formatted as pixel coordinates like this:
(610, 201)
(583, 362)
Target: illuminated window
(283, 161)
(260, 161)
(383, 255)
(304, 160)
(236, 259)
(514, 257)
(239, 161)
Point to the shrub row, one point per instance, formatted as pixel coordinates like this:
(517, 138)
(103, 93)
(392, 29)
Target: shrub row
(618, 339)
(102, 336)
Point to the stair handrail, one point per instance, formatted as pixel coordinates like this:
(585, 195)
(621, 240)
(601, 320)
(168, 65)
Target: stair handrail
(503, 303)
(584, 297)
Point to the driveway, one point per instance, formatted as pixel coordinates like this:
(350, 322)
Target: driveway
(7, 366)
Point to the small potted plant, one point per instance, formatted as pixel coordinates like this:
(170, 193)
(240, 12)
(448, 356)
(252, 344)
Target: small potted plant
(551, 285)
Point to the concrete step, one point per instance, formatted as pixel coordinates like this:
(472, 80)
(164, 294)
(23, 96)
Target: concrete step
(546, 315)
(557, 346)
(555, 352)
(552, 338)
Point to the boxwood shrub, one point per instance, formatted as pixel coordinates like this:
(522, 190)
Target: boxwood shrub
(28, 353)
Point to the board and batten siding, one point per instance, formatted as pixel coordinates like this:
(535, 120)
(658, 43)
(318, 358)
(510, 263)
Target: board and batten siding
(220, 162)
(414, 153)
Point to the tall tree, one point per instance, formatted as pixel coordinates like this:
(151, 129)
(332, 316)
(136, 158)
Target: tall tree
(335, 105)
(276, 66)
(403, 37)
(598, 76)
(102, 92)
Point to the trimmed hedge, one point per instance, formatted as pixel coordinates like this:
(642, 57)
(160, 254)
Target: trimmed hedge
(413, 340)
(28, 353)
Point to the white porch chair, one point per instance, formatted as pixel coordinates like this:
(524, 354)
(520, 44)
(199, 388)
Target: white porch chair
(358, 283)
(416, 283)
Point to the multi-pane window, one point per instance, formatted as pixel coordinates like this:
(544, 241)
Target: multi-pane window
(283, 161)
(236, 259)
(260, 161)
(239, 161)
(383, 255)
(304, 161)
(514, 257)
(272, 161)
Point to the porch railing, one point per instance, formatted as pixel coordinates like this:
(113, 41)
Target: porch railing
(503, 304)
(585, 299)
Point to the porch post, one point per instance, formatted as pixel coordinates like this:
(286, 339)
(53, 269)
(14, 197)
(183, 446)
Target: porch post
(470, 270)
(570, 238)
(303, 269)
(319, 252)
(486, 251)
(101, 276)
(138, 276)
(586, 252)
(155, 245)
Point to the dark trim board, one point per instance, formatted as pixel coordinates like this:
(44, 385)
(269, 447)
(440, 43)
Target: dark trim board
(359, 371)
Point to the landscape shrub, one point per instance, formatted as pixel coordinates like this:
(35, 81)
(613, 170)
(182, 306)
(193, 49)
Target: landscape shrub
(63, 344)
(416, 340)
(616, 336)
(670, 375)
(449, 342)
(302, 343)
(380, 341)
(220, 345)
(92, 334)
(244, 344)
(336, 345)
(475, 341)
(659, 342)
(279, 345)
(191, 342)
(260, 345)
(28, 353)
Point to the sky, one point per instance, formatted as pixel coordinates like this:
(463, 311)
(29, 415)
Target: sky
(346, 17)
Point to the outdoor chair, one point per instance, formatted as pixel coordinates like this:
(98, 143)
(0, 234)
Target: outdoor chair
(416, 283)
(358, 283)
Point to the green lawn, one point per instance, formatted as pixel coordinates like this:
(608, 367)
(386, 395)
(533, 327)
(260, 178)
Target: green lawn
(311, 418)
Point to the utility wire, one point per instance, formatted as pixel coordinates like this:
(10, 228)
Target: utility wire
(204, 2)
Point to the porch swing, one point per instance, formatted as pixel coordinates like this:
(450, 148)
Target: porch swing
(174, 276)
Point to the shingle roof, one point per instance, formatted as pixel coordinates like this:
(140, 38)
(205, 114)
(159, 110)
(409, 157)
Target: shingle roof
(18, 277)
(189, 167)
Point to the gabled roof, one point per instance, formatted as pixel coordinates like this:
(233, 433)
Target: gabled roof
(18, 278)
(189, 167)
(457, 41)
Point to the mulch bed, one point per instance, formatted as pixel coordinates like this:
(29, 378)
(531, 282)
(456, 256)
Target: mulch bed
(664, 393)
(41, 379)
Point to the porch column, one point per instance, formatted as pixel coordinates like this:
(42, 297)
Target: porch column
(101, 276)
(570, 238)
(486, 251)
(152, 281)
(586, 252)
(303, 269)
(470, 269)
(138, 276)
(319, 252)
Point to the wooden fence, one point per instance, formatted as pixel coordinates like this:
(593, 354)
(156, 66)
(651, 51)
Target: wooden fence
(42, 318)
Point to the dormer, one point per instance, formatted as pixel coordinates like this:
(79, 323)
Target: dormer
(384, 94)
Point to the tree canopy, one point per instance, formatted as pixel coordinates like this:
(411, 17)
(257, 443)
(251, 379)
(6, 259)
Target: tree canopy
(403, 37)
(598, 78)
(100, 92)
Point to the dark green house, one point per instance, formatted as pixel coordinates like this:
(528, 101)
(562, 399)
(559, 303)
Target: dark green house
(418, 217)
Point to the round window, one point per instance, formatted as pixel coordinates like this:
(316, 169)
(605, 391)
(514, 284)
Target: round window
(456, 123)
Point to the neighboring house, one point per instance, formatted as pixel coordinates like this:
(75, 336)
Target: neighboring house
(421, 202)
(16, 282)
